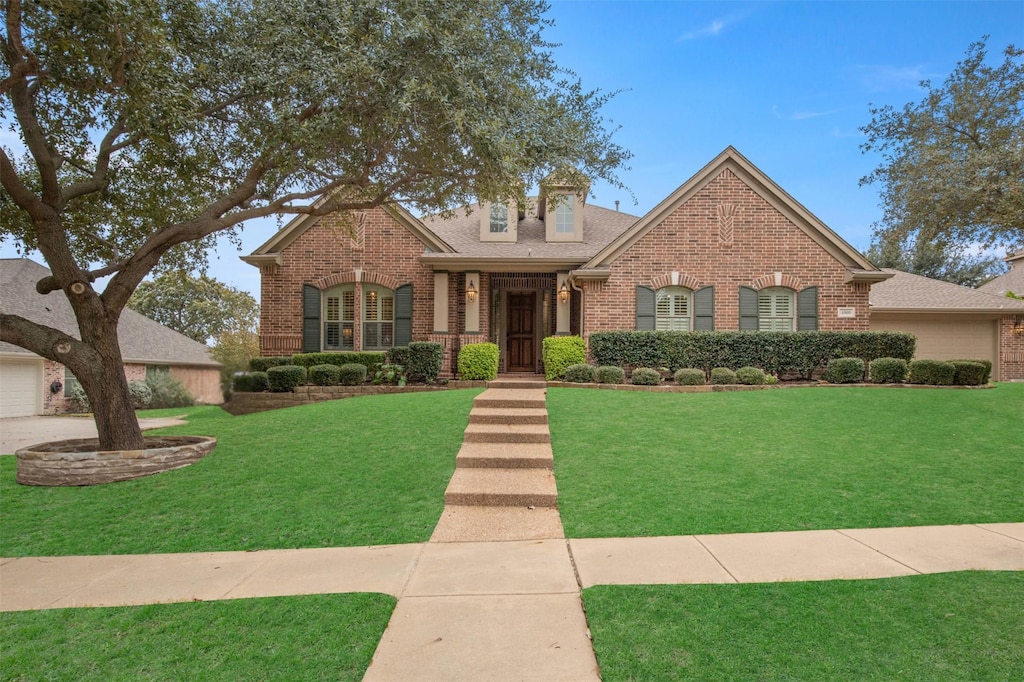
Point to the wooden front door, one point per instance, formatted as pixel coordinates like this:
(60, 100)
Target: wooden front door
(520, 341)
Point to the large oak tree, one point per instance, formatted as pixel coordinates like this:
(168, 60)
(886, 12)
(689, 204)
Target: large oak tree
(952, 168)
(150, 126)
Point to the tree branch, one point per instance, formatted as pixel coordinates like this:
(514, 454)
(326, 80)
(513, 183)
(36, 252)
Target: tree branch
(42, 340)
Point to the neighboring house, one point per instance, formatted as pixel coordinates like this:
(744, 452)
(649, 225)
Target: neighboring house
(953, 322)
(728, 250)
(32, 385)
(1012, 281)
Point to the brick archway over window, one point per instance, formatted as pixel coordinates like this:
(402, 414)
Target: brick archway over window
(351, 277)
(777, 279)
(688, 281)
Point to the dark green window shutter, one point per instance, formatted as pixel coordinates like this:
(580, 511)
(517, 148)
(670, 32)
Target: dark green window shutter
(807, 309)
(644, 308)
(748, 309)
(704, 309)
(310, 319)
(403, 315)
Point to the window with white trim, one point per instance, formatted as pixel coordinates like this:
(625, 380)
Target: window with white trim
(378, 318)
(776, 309)
(499, 218)
(339, 317)
(673, 309)
(563, 216)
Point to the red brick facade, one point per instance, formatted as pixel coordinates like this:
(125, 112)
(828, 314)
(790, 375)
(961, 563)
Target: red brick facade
(757, 242)
(1011, 348)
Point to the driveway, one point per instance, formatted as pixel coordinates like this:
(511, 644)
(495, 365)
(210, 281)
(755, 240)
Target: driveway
(18, 432)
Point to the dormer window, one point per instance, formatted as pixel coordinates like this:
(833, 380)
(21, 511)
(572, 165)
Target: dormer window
(564, 223)
(499, 218)
(499, 222)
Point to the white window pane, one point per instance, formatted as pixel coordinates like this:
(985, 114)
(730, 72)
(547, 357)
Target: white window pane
(499, 218)
(333, 308)
(348, 305)
(387, 307)
(370, 308)
(563, 217)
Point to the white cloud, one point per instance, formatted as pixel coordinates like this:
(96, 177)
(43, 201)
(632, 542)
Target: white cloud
(802, 115)
(712, 29)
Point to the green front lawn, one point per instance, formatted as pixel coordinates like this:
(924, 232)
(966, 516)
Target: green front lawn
(363, 471)
(952, 626)
(647, 464)
(317, 637)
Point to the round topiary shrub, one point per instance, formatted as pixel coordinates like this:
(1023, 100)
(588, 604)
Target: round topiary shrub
(968, 373)
(987, 364)
(690, 376)
(251, 382)
(325, 375)
(580, 374)
(352, 374)
(888, 370)
(844, 371)
(141, 394)
(751, 376)
(932, 372)
(610, 374)
(645, 376)
(285, 378)
(723, 376)
(478, 361)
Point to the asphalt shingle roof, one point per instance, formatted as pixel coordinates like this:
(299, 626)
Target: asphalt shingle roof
(1011, 281)
(906, 291)
(141, 339)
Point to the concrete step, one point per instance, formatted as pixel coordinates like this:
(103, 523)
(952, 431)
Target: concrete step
(518, 415)
(461, 523)
(502, 488)
(511, 398)
(507, 383)
(505, 456)
(506, 433)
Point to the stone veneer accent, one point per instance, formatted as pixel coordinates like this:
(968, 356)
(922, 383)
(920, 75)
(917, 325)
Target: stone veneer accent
(71, 463)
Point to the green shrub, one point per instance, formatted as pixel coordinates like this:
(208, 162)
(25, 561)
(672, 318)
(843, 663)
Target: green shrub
(932, 372)
(888, 370)
(723, 376)
(324, 375)
(560, 352)
(424, 361)
(390, 375)
(352, 374)
(251, 382)
(751, 376)
(168, 391)
(610, 374)
(262, 364)
(645, 376)
(285, 378)
(141, 394)
(968, 373)
(845, 371)
(398, 355)
(78, 400)
(373, 359)
(690, 376)
(987, 364)
(478, 361)
(580, 374)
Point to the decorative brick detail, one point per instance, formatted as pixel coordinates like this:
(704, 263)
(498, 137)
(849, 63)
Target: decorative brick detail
(726, 220)
(688, 281)
(777, 279)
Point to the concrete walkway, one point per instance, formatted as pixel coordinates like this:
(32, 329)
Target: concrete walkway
(20, 432)
(496, 593)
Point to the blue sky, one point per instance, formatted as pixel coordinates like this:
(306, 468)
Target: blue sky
(786, 83)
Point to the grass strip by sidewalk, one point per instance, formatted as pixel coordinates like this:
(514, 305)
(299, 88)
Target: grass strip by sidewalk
(648, 464)
(362, 471)
(316, 637)
(952, 626)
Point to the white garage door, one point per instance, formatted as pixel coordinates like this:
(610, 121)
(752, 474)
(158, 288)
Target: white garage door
(20, 382)
(947, 337)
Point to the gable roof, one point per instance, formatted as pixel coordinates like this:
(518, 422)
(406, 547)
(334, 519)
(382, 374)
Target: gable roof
(270, 250)
(142, 340)
(1009, 281)
(905, 292)
(766, 188)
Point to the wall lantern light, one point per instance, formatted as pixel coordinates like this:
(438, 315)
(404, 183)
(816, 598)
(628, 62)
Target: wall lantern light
(470, 292)
(1018, 325)
(563, 293)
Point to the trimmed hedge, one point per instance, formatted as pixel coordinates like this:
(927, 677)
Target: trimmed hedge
(888, 370)
(932, 372)
(645, 376)
(987, 364)
(580, 374)
(845, 371)
(773, 352)
(690, 376)
(373, 359)
(324, 375)
(398, 355)
(968, 373)
(262, 364)
(423, 362)
(723, 376)
(478, 361)
(252, 382)
(284, 378)
(609, 374)
(352, 374)
(751, 376)
(560, 352)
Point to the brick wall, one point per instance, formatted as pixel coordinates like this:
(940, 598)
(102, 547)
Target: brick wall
(202, 382)
(1011, 349)
(331, 252)
(726, 235)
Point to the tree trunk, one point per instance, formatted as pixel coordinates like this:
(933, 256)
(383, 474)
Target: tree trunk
(107, 388)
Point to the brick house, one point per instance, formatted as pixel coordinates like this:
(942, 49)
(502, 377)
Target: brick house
(728, 250)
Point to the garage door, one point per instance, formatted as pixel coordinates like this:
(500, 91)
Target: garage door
(20, 382)
(947, 337)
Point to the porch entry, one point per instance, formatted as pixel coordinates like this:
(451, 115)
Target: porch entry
(520, 340)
